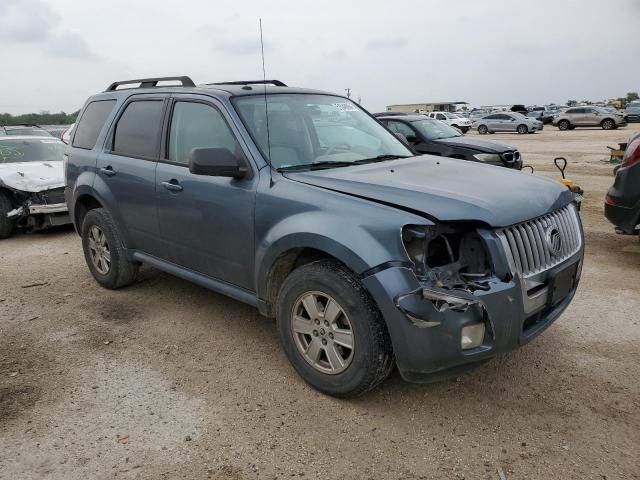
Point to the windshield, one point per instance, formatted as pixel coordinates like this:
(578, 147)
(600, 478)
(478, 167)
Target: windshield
(450, 116)
(31, 150)
(434, 129)
(308, 129)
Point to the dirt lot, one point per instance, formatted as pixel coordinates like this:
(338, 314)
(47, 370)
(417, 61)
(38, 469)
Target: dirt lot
(168, 380)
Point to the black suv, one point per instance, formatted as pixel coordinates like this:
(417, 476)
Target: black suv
(300, 203)
(434, 137)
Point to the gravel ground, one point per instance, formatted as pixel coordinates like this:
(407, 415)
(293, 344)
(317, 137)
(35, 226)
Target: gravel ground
(165, 379)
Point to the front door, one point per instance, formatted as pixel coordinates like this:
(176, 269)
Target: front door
(206, 223)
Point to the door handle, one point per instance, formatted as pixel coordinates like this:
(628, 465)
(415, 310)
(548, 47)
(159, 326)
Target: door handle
(172, 185)
(108, 171)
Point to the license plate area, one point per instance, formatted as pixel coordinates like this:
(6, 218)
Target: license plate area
(561, 282)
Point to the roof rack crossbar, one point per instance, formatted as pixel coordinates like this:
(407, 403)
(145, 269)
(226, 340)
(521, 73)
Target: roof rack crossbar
(277, 83)
(151, 82)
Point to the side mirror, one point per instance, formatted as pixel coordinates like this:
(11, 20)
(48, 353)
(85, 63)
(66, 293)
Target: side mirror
(412, 139)
(216, 162)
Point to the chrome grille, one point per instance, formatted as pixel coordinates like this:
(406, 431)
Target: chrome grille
(526, 246)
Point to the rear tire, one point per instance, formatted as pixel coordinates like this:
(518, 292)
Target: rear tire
(607, 124)
(104, 251)
(483, 130)
(563, 125)
(522, 129)
(6, 224)
(306, 326)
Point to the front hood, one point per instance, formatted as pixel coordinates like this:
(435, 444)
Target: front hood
(451, 190)
(32, 176)
(477, 144)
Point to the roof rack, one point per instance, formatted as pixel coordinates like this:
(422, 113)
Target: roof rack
(277, 83)
(151, 82)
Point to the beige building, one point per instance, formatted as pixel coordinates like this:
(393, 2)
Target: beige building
(426, 107)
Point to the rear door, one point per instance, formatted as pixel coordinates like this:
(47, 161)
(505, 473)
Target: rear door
(126, 170)
(206, 222)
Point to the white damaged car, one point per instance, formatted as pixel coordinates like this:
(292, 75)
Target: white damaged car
(31, 183)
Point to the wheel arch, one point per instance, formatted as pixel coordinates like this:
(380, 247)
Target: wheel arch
(84, 203)
(285, 263)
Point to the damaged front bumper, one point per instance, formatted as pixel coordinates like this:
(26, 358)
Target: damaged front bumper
(426, 323)
(34, 209)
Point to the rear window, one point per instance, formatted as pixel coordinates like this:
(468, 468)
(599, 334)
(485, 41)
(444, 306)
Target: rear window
(91, 123)
(138, 130)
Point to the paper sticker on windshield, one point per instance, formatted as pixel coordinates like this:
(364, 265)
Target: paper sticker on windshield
(345, 107)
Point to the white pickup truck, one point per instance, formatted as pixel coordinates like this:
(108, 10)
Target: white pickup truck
(457, 121)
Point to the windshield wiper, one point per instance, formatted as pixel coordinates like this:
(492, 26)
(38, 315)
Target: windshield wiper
(379, 158)
(315, 165)
(337, 163)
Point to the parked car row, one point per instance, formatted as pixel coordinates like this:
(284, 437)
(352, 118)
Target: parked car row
(300, 203)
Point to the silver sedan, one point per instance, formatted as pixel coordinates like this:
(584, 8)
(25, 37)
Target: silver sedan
(507, 122)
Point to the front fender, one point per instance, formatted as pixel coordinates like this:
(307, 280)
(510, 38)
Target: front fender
(358, 245)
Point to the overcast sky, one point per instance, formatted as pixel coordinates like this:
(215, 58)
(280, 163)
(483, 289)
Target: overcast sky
(55, 53)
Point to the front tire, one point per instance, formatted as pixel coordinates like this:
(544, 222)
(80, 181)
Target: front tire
(483, 130)
(522, 129)
(332, 331)
(6, 224)
(563, 125)
(104, 251)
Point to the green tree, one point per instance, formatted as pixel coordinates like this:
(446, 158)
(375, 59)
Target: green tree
(571, 103)
(44, 118)
(631, 96)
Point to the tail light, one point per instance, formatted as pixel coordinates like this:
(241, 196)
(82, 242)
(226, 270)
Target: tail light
(609, 200)
(632, 155)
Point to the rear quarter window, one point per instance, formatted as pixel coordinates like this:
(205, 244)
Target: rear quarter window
(91, 123)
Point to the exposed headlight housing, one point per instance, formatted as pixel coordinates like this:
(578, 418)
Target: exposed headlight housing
(487, 157)
(447, 256)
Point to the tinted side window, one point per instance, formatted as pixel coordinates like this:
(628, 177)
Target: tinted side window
(91, 123)
(492, 117)
(138, 129)
(196, 125)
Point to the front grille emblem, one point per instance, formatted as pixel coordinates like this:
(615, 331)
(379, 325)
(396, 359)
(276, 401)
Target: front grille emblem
(553, 239)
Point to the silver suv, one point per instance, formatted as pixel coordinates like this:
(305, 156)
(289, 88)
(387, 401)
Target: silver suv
(588, 117)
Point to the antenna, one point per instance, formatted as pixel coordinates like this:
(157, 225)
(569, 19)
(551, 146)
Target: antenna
(266, 109)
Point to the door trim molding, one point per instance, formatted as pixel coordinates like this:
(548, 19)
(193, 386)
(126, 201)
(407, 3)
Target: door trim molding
(205, 281)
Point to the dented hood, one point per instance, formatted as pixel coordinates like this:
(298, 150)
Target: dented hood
(450, 190)
(32, 176)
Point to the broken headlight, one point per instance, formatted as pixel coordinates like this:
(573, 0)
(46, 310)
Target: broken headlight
(447, 256)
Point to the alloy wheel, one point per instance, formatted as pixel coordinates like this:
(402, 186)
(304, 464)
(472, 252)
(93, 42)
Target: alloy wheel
(99, 250)
(322, 332)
